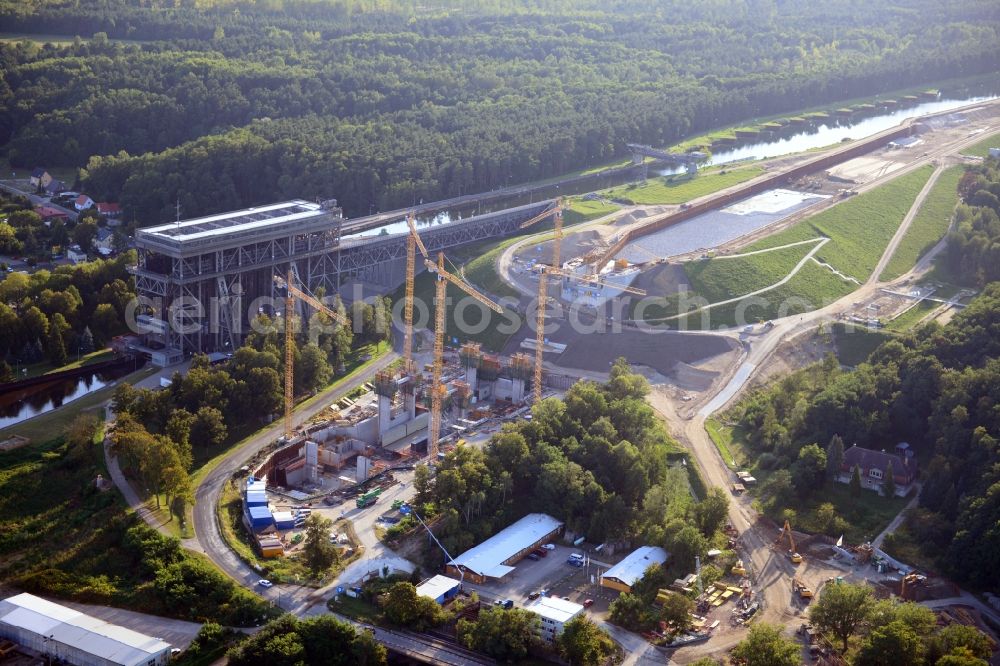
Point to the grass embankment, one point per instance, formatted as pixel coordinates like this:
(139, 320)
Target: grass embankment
(721, 278)
(982, 149)
(46, 368)
(859, 228)
(726, 440)
(61, 536)
(912, 317)
(683, 188)
(928, 226)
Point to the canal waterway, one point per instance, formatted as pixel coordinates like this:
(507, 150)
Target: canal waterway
(18, 406)
(817, 134)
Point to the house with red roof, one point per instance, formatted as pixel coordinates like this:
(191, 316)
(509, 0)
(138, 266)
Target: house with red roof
(108, 209)
(875, 467)
(83, 202)
(48, 213)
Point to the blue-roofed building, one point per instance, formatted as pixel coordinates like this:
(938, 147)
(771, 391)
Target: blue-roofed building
(260, 517)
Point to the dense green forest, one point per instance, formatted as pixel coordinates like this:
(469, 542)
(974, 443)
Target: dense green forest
(381, 104)
(599, 460)
(936, 387)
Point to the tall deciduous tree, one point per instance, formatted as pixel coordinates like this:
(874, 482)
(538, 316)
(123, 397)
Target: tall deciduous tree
(320, 553)
(503, 634)
(842, 610)
(583, 643)
(765, 645)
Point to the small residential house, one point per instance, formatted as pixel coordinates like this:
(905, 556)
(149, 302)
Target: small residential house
(55, 187)
(109, 210)
(48, 214)
(875, 466)
(76, 254)
(40, 177)
(104, 241)
(83, 202)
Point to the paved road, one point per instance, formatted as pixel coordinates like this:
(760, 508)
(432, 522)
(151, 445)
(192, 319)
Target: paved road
(207, 494)
(773, 571)
(39, 201)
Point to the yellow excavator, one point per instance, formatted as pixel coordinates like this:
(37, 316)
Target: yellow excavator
(792, 555)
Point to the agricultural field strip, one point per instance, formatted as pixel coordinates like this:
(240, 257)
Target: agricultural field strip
(802, 262)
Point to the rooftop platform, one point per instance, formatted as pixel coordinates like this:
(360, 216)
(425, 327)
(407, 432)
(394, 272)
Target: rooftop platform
(249, 224)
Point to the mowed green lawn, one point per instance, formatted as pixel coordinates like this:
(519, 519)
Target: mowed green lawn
(682, 188)
(859, 228)
(720, 278)
(982, 149)
(811, 288)
(929, 226)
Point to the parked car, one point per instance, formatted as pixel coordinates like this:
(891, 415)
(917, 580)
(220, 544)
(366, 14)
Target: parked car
(540, 552)
(533, 557)
(534, 595)
(587, 603)
(506, 604)
(263, 582)
(549, 546)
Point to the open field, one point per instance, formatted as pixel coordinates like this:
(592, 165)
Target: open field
(682, 188)
(720, 278)
(859, 228)
(856, 343)
(928, 226)
(581, 210)
(982, 149)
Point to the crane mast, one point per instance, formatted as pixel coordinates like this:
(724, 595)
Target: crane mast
(292, 293)
(411, 252)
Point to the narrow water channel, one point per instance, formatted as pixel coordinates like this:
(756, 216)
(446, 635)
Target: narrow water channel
(817, 134)
(18, 406)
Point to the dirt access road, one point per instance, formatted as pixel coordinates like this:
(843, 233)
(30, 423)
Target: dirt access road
(773, 571)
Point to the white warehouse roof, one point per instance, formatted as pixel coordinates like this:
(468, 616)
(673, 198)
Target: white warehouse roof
(633, 567)
(70, 627)
(555, 609)
(437, 586)
(487, 559)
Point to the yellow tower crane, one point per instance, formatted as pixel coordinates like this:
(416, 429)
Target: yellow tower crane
(556, 269)
(440, 296)
(411, 267)
(543, 291)
(292, 293)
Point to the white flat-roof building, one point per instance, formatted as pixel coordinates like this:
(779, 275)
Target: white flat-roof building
(494, 557)
(77, 638)
(439, 588)
(554, 613)
(626, 573)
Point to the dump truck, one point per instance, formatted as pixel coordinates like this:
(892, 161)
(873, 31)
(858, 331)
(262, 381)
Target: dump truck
(804, 592)
(368, 498)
